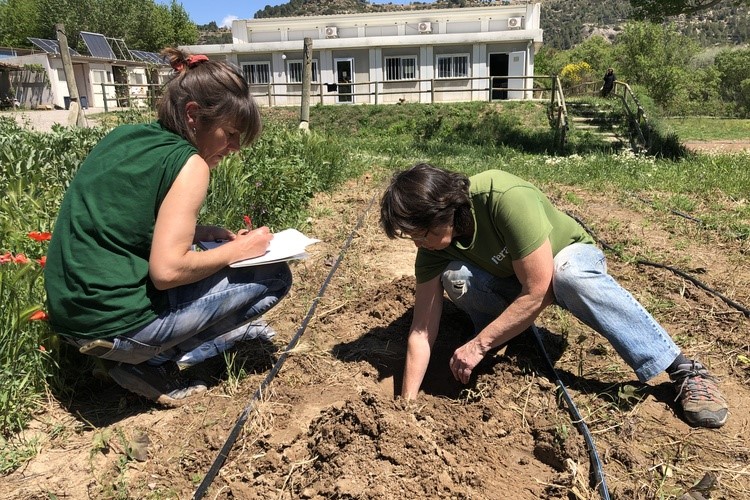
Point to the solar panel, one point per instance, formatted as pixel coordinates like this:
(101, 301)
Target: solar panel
(149, 57)
(97, 45)
(50, 46)
(6, 53)
(119, 48)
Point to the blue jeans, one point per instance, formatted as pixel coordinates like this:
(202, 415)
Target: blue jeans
(582, 286)
(226, 301)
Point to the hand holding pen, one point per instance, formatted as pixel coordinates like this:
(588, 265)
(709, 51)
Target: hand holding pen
(257, 244)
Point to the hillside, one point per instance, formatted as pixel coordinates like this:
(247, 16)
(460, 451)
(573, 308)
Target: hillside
(565, 22)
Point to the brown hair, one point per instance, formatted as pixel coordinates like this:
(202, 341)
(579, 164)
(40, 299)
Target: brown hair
(221, 92)
(424, 197)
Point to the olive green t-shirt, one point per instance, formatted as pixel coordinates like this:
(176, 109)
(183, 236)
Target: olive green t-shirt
(512, 219)
(96, 275)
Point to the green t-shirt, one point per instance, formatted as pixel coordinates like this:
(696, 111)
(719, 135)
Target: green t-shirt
(512, 218)
(96, 275)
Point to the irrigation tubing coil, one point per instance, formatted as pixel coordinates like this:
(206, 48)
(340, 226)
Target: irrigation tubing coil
(232, 438)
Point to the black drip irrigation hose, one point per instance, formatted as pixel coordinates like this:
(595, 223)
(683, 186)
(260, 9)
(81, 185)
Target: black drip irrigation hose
(673, 211)
(596, 474)
(736, 305)
(229, 443)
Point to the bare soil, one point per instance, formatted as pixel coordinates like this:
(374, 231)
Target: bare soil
(719, 146)
(328, 425)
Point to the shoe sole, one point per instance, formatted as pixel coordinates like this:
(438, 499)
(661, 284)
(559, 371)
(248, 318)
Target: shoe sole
(135, 384)
(710, 423)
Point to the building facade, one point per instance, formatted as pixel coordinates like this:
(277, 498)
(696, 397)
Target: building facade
(110, 73)
(478, 53)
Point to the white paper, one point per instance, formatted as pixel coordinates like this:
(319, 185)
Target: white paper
(288, 244)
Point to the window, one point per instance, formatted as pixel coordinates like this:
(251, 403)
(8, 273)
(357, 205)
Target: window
(294, 71)
(257, 73)
(452, 66)
(101, 76)
(400, 68)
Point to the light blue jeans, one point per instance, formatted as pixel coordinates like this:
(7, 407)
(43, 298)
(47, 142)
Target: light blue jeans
(582, 286)
(226, 301)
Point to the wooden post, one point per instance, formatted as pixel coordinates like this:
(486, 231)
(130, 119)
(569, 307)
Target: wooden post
(75, 117)
(304, 112)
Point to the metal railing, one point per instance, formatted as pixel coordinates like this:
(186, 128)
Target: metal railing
(489, 88)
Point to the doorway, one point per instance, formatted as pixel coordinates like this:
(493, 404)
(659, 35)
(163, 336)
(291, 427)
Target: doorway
(498, 77)
(344, 80)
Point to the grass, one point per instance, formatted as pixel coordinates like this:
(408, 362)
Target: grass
(694, 128)
(275, 180)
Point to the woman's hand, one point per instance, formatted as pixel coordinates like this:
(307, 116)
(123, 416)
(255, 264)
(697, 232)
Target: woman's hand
(211, 233)
(251, 243)
(465, 359)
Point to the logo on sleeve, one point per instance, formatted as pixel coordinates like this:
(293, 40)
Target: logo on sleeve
(497, 259)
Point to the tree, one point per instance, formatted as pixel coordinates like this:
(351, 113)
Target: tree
(18, 21)
(656, 57)
(184, 30)
(734, 71)
(658, 10)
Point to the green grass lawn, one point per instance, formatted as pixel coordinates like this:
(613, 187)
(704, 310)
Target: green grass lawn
(694, 128)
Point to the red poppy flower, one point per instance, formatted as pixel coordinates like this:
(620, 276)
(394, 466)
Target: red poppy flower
(6, 257)
(20, 259)
(39, 316)
(42, 261)
(42, 348)
(37, 236)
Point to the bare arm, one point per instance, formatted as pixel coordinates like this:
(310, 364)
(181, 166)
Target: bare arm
(535, 274)
(172, 261)
(428, 306)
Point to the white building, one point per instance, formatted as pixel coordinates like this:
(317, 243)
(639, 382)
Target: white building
(110, 72)
(478, 53)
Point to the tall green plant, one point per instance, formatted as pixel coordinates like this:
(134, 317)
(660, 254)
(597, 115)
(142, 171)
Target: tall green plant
(274, 180)
(25, 341)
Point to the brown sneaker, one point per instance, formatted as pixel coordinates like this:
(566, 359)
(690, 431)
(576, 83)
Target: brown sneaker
(701, 400)
(161, 384)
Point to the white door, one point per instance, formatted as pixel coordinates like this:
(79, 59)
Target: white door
(516, 67)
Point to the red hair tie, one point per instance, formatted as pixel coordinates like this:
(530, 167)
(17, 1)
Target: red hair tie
(192, 61)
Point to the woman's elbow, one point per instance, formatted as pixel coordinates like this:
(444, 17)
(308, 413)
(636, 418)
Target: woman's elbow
(162, 279)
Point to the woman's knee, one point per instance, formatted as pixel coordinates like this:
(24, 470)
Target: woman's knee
(576, 267)
(456, 278)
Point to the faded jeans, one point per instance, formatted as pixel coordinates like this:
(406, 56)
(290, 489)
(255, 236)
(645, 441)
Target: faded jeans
(201, 311)
(582, 286)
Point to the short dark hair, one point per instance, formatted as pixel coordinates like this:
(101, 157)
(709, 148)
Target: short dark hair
(424, 197)
(221, 92)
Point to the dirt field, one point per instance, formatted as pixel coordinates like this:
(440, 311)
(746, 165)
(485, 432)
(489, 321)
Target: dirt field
(328, 425)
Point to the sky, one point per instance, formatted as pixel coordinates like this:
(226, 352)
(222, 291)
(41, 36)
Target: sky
(225, 11)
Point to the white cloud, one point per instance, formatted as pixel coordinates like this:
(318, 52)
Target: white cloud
(227, 21)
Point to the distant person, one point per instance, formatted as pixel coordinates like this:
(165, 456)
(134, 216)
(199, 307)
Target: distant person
(502, 253)
(123, 279)
(609, 82)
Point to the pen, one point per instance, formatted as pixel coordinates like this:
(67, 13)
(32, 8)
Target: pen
(248, 222)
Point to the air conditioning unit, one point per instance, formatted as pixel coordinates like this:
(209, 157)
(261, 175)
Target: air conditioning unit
(515, 22)
(332, 32)
(424, 27)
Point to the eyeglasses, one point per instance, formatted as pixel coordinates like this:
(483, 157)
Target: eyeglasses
(416, 239)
